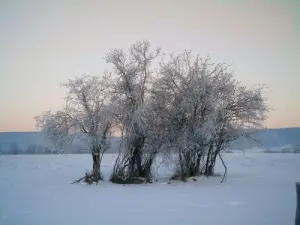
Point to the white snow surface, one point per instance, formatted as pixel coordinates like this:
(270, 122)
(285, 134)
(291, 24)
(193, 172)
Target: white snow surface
(36, 190)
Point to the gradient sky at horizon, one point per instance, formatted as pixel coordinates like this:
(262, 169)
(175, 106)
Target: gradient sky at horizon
(44, 43)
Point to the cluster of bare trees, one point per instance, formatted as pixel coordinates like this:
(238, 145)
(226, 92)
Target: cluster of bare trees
(187, 106)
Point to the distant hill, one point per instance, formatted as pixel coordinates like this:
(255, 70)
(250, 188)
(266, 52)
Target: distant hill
(271, 138)
(33, 142)
(22, 139)
(280, 137)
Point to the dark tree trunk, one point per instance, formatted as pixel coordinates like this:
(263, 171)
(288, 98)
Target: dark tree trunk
(131, 169)
(146, 171)
(96, 167)
(138, 162)
(213, 163)
(135, 169)
(197, 163)
(208, 166)
(210, 170)
(95, 175)
(182, 167)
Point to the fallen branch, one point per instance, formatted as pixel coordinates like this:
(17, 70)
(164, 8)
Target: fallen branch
(77, 181)
(225, 173)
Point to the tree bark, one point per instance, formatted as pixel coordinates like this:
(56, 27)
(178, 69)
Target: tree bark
(135, 168)
(297, 219)
(96, 166)
(198, 161)
(207, 164)
(138, 162)
(146, 171)
(139, 143)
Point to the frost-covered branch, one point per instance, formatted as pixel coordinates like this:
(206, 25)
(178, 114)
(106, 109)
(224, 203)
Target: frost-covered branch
(88, 114)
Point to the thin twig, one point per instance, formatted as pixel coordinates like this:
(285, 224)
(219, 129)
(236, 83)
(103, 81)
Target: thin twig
(77, 181)
(225, 173)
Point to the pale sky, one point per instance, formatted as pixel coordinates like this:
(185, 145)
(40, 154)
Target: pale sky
(44, 43)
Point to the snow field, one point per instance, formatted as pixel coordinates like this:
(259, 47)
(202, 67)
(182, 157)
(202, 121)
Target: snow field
(36, 189)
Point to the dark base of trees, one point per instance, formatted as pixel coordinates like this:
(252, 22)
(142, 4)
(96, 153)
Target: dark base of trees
(91, 178)
(191, 167)
(184, 172)
(178, 175)
(129, 180)
(186, 178)
(132, 170)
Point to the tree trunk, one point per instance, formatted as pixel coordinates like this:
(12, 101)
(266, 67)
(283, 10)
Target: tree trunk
(297, 219)
(96, 167)
(139, 143)
(207, 171)
(135, 169)
(198, 161)
(138, 161)
(146, 172)
(213, 163)
(131, 169)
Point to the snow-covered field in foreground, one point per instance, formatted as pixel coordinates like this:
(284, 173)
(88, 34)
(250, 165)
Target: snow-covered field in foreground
(36, 190)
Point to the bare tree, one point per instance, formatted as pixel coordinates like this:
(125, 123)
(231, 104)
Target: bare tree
(56, 130)
(191, 106)
(205, 110)
(88, 115)
(132, 75)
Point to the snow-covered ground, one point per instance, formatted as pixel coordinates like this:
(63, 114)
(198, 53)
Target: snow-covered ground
(36, 190)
